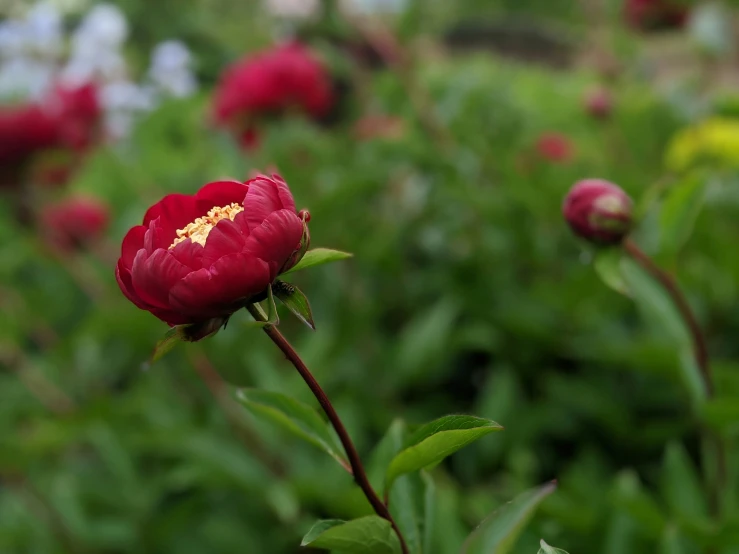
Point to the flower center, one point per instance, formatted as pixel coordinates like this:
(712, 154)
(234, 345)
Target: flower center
(198, 230)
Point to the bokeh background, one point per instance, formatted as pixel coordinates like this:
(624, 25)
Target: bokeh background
(455, 130)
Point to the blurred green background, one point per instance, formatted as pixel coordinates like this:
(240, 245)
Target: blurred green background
(466, 293)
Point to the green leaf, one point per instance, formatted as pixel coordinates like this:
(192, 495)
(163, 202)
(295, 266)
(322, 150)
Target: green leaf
(681, 207)
(429, 510)
(663, 318)
(681, 487)
(498, 533)
(631, 497)
(270, 316)
(544, 548)
(171, 338)
(319, 256)
(296, 417)
(295, 301)
(435, 441)
(366, 535)
(607, 265)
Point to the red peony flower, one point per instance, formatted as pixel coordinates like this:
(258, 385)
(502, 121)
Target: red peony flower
(74, 223)
(598, 211)
(598, 103)
(202, 257)
(655, 14)
(555, 147)
(78, 113)
(24, 130)
(271, 82)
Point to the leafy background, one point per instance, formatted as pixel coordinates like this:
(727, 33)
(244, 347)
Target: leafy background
(466, 294)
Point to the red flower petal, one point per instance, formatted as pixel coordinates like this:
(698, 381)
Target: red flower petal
(222, 288)
(132, 243)
(222, 193)
(265, 196)
(276, 239)
(224, 239)
(154, 275)
(175, 212)
(189, 253)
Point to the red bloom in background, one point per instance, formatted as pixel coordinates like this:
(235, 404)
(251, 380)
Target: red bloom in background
(204, 256)
(598, 210)
(74, 223)
(78, 112)
(555, 147)
(67, 119)
(655, 14)
(271, 82)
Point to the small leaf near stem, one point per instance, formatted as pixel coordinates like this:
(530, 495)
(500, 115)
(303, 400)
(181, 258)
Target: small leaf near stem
(360, 475)
(295, 301)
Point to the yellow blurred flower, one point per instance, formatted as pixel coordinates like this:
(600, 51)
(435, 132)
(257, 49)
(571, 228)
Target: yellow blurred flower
(714, 141)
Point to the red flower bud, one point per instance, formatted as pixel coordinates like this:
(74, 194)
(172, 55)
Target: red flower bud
(598, 211)
(74, 223)
(271, 82)
(555, 147)
(204, 256)
(598, 103)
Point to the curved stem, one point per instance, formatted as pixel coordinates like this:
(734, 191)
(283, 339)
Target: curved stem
(701, 357)
(358, 471)
(672, 288)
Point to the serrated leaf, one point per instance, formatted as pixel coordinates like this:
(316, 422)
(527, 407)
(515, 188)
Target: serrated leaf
(544, 548)
(680, 209)
(366, 535)
(435, 441)
(294, 416)
(498, 533)
(607, 265)
(295, 301)
(319, 256)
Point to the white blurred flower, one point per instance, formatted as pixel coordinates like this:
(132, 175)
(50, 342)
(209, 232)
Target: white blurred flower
(122, 102)
(44, 30)
(374, 6)
(104, 27)
(13, 38)
(292, 8)
(103, 65)
(25, 78)
(170, 69)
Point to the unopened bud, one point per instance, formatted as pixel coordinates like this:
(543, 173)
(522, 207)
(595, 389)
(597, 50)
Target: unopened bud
(598, 211)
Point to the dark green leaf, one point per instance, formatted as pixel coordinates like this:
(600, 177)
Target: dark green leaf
(319, 256)
(498, 533)
(295, 301)
(631, 497)
(296, 417)
(435, 441)
(681, 486)
(366, 535)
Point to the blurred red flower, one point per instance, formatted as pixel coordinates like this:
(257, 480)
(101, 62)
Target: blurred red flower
(204, 256)
(271, 82)
(68, 118)
(598, 210)
(74, 223)
(655, 14)
(555, 147)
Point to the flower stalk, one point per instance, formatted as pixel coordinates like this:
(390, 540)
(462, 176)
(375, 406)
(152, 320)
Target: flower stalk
(357, 468)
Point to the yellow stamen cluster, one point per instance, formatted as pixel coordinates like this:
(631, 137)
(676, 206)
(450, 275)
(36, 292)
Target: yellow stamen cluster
(198, 230)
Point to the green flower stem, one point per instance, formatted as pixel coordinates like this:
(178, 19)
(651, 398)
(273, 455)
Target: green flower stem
(358, 471)
(701, 357)
(681, 303)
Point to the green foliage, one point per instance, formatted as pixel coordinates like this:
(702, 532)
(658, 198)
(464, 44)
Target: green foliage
(466, 294)
(367, 535)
